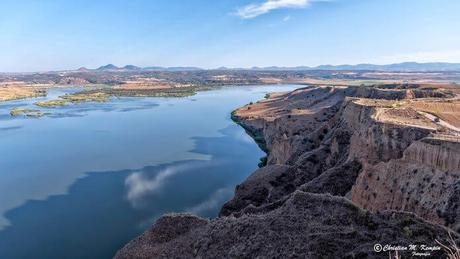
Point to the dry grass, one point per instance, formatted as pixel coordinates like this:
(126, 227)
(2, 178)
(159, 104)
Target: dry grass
(8, 93)
(447, 110)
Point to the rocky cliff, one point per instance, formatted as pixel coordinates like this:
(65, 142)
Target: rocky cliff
(347, 167)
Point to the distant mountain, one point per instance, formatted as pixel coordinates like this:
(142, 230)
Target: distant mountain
(82, 69)
(406, 66)
(438, 66)
(183, 69)
(108, 67)
(172, 68)
(131, 67)
(154, 68)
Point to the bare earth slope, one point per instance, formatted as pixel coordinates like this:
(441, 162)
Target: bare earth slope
(341, 162)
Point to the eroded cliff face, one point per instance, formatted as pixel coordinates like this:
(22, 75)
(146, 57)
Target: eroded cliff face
(425, 181)
(345, 166)
(382, 148)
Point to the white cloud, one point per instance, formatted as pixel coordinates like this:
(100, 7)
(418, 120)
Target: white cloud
(254, 10)
(287, 18)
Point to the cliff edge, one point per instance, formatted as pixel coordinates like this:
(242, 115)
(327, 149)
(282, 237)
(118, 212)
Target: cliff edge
(347, 168)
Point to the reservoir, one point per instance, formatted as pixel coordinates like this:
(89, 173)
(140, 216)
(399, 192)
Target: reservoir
(86, 178)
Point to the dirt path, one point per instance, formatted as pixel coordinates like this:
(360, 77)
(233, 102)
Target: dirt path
(440, 122)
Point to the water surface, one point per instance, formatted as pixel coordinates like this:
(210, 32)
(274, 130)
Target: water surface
(86, 179)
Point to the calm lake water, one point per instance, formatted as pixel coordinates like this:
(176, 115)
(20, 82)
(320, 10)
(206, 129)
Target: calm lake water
(86, 179)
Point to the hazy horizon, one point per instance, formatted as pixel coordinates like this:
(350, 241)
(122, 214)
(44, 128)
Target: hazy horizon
(63, 35)
(121, 66)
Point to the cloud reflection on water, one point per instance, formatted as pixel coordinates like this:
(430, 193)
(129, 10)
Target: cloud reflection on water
(140, 184)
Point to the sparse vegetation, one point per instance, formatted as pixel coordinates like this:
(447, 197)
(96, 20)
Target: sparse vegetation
(22, 111)
(74, 98)
(51, 103)
(86, 97)
(263, 161)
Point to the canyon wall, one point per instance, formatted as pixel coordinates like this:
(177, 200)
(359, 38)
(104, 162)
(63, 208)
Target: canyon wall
(347, 167)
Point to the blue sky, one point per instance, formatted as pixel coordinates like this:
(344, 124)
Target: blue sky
(57, 34)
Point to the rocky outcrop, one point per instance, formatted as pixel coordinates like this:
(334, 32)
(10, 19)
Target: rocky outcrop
(347, 167)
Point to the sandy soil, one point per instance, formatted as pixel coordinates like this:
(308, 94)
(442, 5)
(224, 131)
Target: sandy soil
(18, 92)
